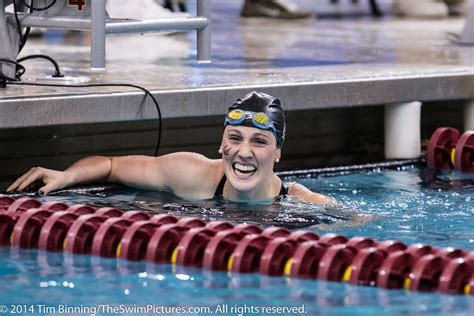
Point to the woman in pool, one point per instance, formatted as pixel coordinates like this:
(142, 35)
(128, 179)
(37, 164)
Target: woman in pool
(254, 132)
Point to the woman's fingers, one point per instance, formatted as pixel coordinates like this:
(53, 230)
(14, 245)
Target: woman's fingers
(52, 180)
(51, 186)
(15, 185)
(38, 174)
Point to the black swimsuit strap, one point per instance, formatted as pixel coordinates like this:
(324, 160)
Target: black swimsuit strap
(220, 188)
(283, 190)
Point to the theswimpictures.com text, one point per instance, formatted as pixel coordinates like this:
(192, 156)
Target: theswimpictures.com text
(131, 309)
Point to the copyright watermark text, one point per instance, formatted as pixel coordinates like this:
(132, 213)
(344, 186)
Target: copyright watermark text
(104, 309)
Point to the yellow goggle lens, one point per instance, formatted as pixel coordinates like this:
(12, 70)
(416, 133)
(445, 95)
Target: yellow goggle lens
(261, 118)
(235, 115)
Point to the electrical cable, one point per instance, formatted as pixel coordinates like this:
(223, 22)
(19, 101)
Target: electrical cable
(23, 37)
(20, 70)
(147, 92)
(18, 26)
(57, 72)
(31, 7)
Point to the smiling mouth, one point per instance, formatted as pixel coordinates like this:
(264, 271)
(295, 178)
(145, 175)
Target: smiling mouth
(244, 170)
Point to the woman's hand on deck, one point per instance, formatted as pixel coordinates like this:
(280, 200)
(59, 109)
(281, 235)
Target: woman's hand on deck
(52, 180)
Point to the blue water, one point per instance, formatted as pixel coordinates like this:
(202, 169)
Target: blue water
(409, 204)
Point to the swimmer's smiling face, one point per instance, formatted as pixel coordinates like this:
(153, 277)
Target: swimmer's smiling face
(249, 155)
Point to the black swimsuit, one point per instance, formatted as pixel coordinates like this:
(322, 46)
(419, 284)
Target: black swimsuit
(220, 188)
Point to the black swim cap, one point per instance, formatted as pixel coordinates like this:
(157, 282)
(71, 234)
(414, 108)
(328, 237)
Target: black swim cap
(265, 103)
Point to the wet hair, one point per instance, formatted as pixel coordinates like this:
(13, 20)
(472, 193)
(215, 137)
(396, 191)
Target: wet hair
(271, 106)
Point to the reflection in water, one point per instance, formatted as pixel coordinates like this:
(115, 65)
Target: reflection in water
(413, 205)
(74, 280)
(287, 212)
(454, 181)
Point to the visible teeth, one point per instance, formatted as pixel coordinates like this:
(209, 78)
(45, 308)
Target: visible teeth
(244, 168)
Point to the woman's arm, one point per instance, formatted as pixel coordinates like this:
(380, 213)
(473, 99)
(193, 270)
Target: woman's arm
(89, 169)
(309, 196)
(186, 174)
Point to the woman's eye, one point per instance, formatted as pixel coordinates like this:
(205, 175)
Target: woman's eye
(261, 141)
(234, 138)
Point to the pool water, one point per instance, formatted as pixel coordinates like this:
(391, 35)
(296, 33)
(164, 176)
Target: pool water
(409, 204)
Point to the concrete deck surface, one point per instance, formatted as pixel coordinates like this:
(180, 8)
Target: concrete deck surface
(323, 62)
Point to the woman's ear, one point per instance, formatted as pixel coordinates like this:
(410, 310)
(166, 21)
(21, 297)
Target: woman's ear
(221, 146)
(278, 155)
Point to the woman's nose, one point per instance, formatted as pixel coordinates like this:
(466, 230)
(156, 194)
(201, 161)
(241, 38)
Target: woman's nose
(245, 151)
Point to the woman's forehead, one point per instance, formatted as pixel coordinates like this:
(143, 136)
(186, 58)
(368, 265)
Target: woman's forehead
(248, 131)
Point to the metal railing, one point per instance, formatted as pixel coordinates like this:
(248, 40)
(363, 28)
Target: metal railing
(91, 15)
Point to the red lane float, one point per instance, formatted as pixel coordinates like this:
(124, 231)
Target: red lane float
(163, 242)
(247, 229)
(7, 222)
(277, 258)
(305, 261)
(163, 219)
(109, 212)
(425, 274)
(361, 242)
(452, 253)
(27, 230)
(334, 262)
(390, 246)
(218, 245)
(80, 209)
(464, 156)
(135, 240)
(332, 239)
(365, 267)
(276, 255)
(81, 234)
(394, 270)
(220, 248)
(219, 225)
(246, 256)
(55, 229)
(191, 247)
(136, 215)
(167, 237)
(301, 236)
(108, 236)
(420, 250)
(54, 206)
(191, 222)
(23, 204)
(272, 232)
(447, 148)
(440, 146)
(469, 289)
(456, 275)
(5, 202)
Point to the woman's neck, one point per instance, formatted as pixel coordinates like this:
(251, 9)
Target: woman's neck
(264, 192)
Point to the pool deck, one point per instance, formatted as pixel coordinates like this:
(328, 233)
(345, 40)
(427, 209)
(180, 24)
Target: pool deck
(310, 64)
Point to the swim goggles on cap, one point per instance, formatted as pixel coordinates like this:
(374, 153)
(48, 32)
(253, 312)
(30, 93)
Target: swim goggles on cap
(259, 119)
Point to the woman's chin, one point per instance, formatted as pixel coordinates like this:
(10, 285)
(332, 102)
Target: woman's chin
(244, 187)
(243, 184)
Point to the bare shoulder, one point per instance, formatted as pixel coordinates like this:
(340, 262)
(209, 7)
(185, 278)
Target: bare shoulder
(299, 190)
(191, 163)
(190, 174)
